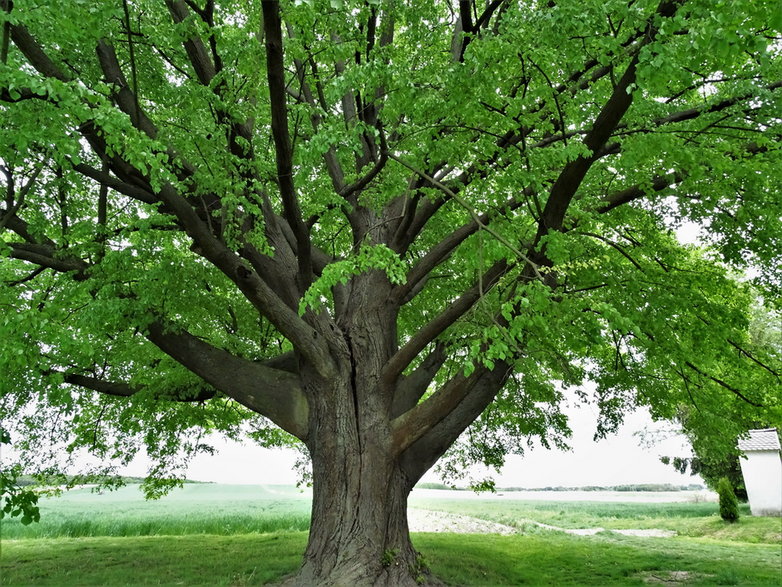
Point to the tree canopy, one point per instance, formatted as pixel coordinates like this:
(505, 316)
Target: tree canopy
(714, 440)
(381, 228)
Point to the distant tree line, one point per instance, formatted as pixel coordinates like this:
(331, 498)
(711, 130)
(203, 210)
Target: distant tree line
(627, 487)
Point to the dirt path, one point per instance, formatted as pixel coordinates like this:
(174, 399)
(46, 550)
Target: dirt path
(432, 521)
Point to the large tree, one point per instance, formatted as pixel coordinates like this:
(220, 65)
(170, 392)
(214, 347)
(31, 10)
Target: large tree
(378, 225)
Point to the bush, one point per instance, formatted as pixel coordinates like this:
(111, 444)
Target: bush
(729, 505)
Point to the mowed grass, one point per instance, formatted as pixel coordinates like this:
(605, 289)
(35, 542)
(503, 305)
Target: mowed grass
(248, 559)
(256, 559)
(250, 535)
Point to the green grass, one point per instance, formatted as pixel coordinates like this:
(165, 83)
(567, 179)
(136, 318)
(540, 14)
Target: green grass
(541, 559)
(557, 559)
(250, 535)
(251, 559)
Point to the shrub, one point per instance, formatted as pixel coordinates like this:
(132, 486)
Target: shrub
(729, 505)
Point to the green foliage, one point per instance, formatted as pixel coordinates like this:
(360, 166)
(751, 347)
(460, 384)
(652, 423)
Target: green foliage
(15, 498)
(729, 505)
(339, 273)
(389, 557)
(714, 438)
(612, 297)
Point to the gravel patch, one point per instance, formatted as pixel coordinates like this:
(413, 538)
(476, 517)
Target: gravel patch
(645, 533)
(649, 533)
(431, 521)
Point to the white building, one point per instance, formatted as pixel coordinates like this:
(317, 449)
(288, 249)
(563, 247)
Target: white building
(761, 467)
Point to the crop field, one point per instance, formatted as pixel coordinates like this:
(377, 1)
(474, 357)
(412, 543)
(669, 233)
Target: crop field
(207, 534)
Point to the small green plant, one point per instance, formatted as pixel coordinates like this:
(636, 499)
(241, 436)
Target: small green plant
(729, 504)
(389, 557)
(421, 569)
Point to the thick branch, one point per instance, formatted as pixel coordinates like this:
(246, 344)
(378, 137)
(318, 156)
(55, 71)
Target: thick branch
(475, 217)
(272, 27)
(47, 256)
(572, 175)
(429, 430)
(440, 252)
(249, 282)
(119, 186)
(349, 191)
(273, 393)
(659, 183)
(199, 58)
(411, 388)
(207, 68)
(123, 95)
(33, 51)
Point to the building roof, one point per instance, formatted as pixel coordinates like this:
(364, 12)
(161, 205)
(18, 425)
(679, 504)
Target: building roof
(765, 439)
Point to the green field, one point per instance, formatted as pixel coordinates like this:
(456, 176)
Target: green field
(249, 535)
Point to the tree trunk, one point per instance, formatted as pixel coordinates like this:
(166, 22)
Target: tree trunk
(359, 534)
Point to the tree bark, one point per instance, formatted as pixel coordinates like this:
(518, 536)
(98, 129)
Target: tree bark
(359, 533)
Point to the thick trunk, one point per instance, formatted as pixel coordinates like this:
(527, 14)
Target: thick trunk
(359, 534)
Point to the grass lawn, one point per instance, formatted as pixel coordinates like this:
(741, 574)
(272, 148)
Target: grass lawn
(254, 559)
(250, 535)
(245, 559)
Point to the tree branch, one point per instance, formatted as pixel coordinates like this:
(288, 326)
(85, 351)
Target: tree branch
(275, 393)
(411, 388)
(118, 389)
(257, 291)
(444, 249)
(659, 183)
(432, 329)
(284, 156)
(33, 51)
(119, 186)
(428, 430)
(47, 256)
(475, 217)
(723, 384)
(124, 97)
(194, 47)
